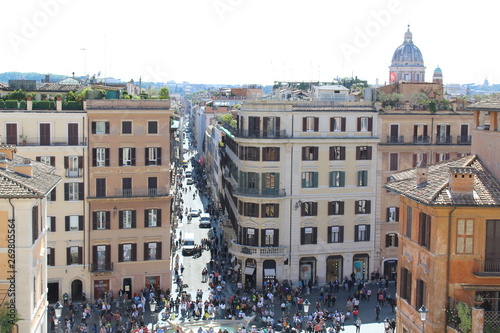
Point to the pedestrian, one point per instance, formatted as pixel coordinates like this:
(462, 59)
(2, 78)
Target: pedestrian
(182, 269)
(358, 325)
(377, 311)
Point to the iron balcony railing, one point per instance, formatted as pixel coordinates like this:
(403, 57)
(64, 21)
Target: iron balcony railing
(257, 251)
(253, 192)
(140, 192)
(106, 267)
(444, 139)
(396, 139)
(421, 139)
(52, 141)
(487, 267)
(464, 139)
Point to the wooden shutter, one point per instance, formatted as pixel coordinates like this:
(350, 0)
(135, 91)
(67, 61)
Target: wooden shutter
(304, 150)
(146, 251)
(94, 126)
(53, 161)
(397, 214)
(38, 158)
(80, 191)
(134, 252)
(329, 231)
(356, 207)
(302, 235)
(358, 153)
(52, 261)
(80, 162)
(368, 206)
(146, 156)
(262, 237)
(52, 223)
(120, 219)
(66, 191)
(330, 208)
(276, 237)
(387, 240)
(108, 256)
(356, 230)
(331, 153)
(53, 194)
(68, 256)
(276, 210)
(343, 126)
(342, 153)
(80, 255)
(133, 156)
(304, 124)
(158, 156)
(359, 124)
(158, 251)
(134, 216)
(94, 157)
(106, 127)
(315, 208)
(332, 124)
(303, 209)
(367, 232)
(66, 223)
(316, 124)
(315, 153)
(315, 235)
(146, 218)
(370, 124)
(341, 208)
(315, 179)
(94, 255)
(342, 178)
(120, 156)
(341, 234)
(369, 152)
(277, 125)
(158, 217)
(80, 222)
(94, 220)
(66, 162)
(120, 253)
(108, 220)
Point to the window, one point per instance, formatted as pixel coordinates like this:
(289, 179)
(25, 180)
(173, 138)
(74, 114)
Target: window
(152, 251)
(362, 207)
(365, 124)
(362, 233)
(270, 210)
(270, 183)
(101, 255)
(74, 223)
(405, 285)
(393, 161)
(73, 191)
(270, 154)
(309, 208)
(52, 195)
(12, 135)
(127, 219)
(270, 237)
(35, 224)
(152, 127)
(336, 234)
(49, 160)
(100, 127)
(152, 186)
(126, 127)
(420, 134)
(126, 156)
(73, 136)
(127, 252)
(392, 214)
(440, 157)
(250, 153)
(309, 153)
(420, 294)
(336, 208)
(310, 124)
(308, 235)
(443, 134)
(409, 217)
(249, 181)
(465, 236)
(424, 230)
(337, 124)
(101, 220)
(100, 157)
(250, 209)
(337, 153)
(73, 165)
(309, 179)
(74, 255)
(51, 223)
(391, 240)
(100, 185)
(152, 217)
(363, 178)
(250, 236)
(337, 178)
(417, 157)
(51, 256)
(45, 134)
(364, 153)
(153, 156)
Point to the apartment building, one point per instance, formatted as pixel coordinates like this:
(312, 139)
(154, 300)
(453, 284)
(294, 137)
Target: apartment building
(299, 182)
(24, 188)
(408, 137)
(448, 241)
(57, 138)
(129, 195)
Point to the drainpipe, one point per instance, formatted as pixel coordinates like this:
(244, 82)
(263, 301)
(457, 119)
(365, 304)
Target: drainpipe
(448, 254)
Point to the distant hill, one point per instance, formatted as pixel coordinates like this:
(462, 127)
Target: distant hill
(6, 76)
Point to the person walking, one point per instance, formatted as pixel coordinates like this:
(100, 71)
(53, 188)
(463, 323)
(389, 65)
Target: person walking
(358, 325)
(377, 311)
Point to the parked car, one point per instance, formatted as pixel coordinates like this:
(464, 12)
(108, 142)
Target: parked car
(205, 220)
(194, 213)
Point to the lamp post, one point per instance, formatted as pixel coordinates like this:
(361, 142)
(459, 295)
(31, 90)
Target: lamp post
(152, 307)
(423, 315)
(306, 306)
(58, 308)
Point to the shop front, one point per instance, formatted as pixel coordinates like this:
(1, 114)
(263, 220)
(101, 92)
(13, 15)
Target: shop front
(360, 264)
(307, 266)
(334, 266)
(101, 287)
(269, 271)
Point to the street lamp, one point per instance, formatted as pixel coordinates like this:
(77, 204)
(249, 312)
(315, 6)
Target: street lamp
(152, 306)
(306, 306)
(423, 315)
(58, 307)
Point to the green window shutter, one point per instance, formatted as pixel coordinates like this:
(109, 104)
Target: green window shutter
(303, 181)
(330, 179)
(342, 179)
(276, 181)
(315, 179)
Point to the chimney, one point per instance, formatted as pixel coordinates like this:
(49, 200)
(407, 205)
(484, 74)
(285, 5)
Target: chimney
(461, 180)
(24, 168)
(58, 104)
(3, 161)
(421, 172)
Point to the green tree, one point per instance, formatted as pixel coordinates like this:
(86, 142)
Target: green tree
(227, 119)
(164, 93)
(7, 322)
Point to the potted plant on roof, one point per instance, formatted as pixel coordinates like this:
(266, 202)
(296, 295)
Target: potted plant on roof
(478, 300)
(58, 97)
(23, 139)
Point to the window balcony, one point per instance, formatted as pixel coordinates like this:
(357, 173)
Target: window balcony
(464, 139)
(257, 252)
(101, 268)
(395, 139)
(77, 173)
(444, 139)
(421, 139)
(51, 141)
(255, 192)
(488, 267)
(256, 133)
(140, 192)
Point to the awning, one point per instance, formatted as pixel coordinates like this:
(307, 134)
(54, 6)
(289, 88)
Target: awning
(236, 267)
(269, 272)
(249, 270)
(481, 287)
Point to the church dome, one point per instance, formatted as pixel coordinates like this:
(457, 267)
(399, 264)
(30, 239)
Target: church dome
(438, 70)
(407, 54)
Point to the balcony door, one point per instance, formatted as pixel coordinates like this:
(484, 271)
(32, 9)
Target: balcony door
(11, 134)
(127, 187)
(45, 134)
(73, 134)
(394, 132)
(492, 253)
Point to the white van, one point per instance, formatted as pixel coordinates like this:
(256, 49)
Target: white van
(205, 220)
(188, 247)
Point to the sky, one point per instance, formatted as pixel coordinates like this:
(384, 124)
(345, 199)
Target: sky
(247, 41)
